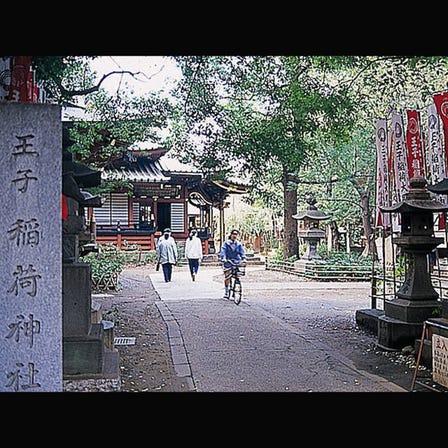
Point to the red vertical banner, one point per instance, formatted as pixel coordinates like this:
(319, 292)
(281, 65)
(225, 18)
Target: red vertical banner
(33, 91)
(19, 87)
(416, 159)
(441, 102)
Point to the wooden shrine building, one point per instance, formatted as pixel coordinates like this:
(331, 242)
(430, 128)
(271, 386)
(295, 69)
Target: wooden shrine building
(165, 194)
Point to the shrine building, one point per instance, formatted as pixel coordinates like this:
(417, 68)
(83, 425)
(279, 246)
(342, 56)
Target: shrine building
(165, 194)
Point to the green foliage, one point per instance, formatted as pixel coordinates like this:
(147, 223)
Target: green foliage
(62, 75)
(136, 257)
(400, 266)
(106, 264)
(112, 123)
(253, 117)
(251, 221)
(277, 254)
(259, 111)
(345, 259)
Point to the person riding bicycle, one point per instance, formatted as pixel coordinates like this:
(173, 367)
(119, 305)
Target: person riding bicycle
(233, 251)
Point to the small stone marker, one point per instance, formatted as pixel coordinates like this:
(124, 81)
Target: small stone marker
(440, 359)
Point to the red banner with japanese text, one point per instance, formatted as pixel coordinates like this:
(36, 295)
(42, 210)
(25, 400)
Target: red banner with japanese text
(441, 102)
(33, 90)
(19, 89)
(416, 158)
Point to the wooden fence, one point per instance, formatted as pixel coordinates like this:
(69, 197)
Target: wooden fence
(384, 285)
(318, 271)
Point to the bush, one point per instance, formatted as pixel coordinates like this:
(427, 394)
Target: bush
(106, 266)
(345, 259)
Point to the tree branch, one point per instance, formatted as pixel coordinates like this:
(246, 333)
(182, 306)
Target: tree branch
(367, 66)
(196, 72)
(95, 88)
(344, 200)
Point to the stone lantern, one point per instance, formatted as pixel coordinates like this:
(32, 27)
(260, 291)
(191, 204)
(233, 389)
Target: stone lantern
(85, 351)
(416, 300)
(311, 233)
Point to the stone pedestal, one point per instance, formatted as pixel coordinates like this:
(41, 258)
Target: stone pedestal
(415, 301)
(402, 322)
(394, 334)
(83, 340)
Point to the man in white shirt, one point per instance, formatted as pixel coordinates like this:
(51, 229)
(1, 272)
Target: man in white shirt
(193, 252)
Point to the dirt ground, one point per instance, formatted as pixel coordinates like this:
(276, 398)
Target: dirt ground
(146, 366)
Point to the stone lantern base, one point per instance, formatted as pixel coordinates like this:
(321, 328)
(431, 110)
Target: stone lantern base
(402, 322)
(86, 352)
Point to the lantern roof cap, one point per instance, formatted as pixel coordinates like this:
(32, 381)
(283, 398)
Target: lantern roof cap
(311, 212)
(440, 187)
(417, 198)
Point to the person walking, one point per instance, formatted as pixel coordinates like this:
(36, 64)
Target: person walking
(193, 252)
(167, 254)
(231, 250)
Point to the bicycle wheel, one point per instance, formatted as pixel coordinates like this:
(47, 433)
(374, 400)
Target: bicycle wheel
(237, 291)
(231, 288)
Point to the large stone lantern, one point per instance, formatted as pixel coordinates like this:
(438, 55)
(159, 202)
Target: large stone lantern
(311, 233)
(416, 300)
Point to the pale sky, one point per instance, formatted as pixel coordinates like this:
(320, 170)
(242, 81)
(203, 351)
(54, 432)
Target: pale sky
(159, 73)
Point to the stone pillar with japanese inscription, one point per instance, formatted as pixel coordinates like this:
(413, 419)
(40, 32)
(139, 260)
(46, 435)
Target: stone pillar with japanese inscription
(31, 358)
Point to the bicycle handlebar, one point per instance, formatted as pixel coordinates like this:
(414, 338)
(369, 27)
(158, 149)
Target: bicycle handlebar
(243, 262)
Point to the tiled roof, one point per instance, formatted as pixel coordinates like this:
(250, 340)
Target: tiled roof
(143, 169)
(169, 164)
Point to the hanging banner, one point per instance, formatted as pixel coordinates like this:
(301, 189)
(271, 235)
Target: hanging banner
(416, 159)
(395, 217)
(383, 175)
(441, 102)
(436, 156)
(5, 77)
(32, 89)
(19, 88)
(399, 157)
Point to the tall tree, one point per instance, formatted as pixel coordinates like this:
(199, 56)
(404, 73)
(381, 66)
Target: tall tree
(253, 116)
(381, 84)
(109, 123)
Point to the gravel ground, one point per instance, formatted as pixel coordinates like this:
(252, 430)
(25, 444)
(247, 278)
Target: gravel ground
(147, 366)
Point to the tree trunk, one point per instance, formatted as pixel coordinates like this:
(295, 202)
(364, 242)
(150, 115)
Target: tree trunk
(366, 222)
(367, 225)
(291, 243)
(335, 235)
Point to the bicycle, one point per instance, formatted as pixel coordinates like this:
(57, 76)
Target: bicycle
(235, 287)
